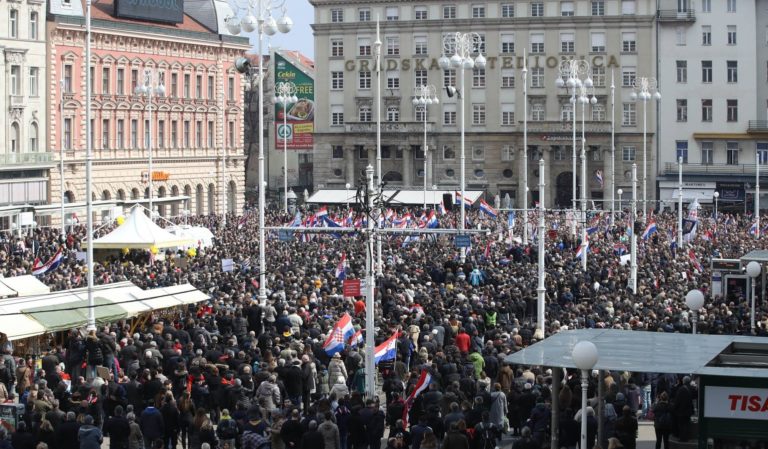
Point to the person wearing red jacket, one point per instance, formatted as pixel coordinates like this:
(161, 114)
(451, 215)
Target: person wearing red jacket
(463, 341)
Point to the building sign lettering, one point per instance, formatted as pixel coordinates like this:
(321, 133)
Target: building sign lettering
(493, 62)
(171, 11)
(736, 403)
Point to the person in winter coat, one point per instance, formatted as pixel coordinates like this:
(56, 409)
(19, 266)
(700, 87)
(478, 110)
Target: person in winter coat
(118, 429)
(309, 379)
(454, 439)
(23, 439)
(94, 355)
(626, 428)
(498, 406)
(135, 437)
(339, 388)
(90, 436)
(330, 432)
(663, 420)
(152, 426)
(171, 422)
(336, 368)
(268, 395)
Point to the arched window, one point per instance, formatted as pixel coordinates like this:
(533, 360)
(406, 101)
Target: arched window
(211, 199)
(134, 193)
(15, 138)
(161, 206)
(175, 204)
(199, 199)
(232, 197)
(33, 142)
(69, 197)
(121, 194)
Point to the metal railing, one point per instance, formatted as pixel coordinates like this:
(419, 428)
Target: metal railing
(757, 125)
(670, 168)
(673, 15)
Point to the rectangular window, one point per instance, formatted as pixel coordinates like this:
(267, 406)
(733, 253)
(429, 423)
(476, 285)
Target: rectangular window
(566, 112)
(393, 113)
(732, 153)
(188, 83)
(628, 7)
(364, 79)
(364, 113)
(420, 13)
(706, 35)
(231, 88)
(120, 81)
(68, 78)
(731, 5)
(598, 8)
(364, 14)
(478, 78)
(731, 34)
(478, 11)
(598, 42)
(211, 85)
(538, 112)
(449, 77)
(732, 71)
(707, 153)
(507, 78)
(420, 45)
(231, 135)
(682, 150)
(210, 134)
(628, 154)
(364, 46)
(174, 134)
(628, 75)
(762, 152)
(682, 110)
(629, 114)
(337, 115)
(34, 79)
(598, 112)
(160, 134)
(104, 80)
(174, 85)
(478, 114)
(337, 47)
(537, 9)
(15, 80)
(134, 134)
(420, 77)
(507, 153)
(706, 71)
(105, 134)
(732, 110)
(507, 114)
(392, 13)
(449, 115)
(706, 110)
(337, 152)
(449, 12)
(337, 80)
(199, 87)
(93, 80)
(393, 79)
(67, 134)
(120, 143)
(508, 10)
(566, 8)
(337, 15)
(598, 76)
(628, 42)
(508, 43)
(187, 135)
(33, 23)
(680, 36)
(537, 77)
(199, 134)
(362, 153)
(567, 45)
(13, 23)
(706, 5)
(682, 71)
(537, 43)
(393, 45)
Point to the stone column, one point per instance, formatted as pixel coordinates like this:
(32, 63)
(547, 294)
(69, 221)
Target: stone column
(349, 161)
(407, 166)
(608, 186)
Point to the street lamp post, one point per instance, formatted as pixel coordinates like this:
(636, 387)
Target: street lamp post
(463, 46)
(263, 23)
(148, 88)
(61, 161)
(541, 289)
(576, 74)
(379, 176)
(633, 237)
(695, 301)
(645, 88)
(346, 195)
(586, 96)
(620, 192)
(680, 202)
(285, 94)
(613, 149)
(753, 270)
(585, 357)
(423, 96)
(89, 171)
(716, 195)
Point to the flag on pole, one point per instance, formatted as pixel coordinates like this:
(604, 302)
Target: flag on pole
(335, 342)
(599, 177)
(421, 385)
(467, 201)
(341, 268)
(753, 230)
(432, 222)
(487, 209)
(694, 261)
(39, 268)
(323, 211)
(442, 208)
(650, 229)
(386, 351)
(487, 252)
(356, 339)
(242, 221)
(583, 248)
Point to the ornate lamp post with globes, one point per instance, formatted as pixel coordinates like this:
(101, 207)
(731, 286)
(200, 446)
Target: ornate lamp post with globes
(285, 94)
(150, 87)
(585, 357)
(645, 88)
(424, 96)
(462, 46)
(258, 17)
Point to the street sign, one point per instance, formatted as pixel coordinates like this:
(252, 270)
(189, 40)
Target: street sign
(461, 241)
(284, 235)
(284, 132)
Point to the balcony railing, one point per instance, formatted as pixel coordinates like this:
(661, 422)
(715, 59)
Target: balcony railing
(25, 158)
(757, 126)
(673, 15)
(670, 168)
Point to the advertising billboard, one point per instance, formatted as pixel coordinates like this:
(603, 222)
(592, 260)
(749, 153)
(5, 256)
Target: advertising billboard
(299, 117)
(171, 11)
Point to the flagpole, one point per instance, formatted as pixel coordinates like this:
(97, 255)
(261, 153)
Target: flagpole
(613, 150)
(679, 202)
(370, 343)
(541, 289)
(525, 152)
(757, 194)
(633, 254)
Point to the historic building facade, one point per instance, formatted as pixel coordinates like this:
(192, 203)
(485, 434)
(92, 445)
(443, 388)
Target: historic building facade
(25, 157)
(616, 38)
(196, 126)
(714, 79)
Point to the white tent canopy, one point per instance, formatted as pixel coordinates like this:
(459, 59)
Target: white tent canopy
(403, 197)
(200, 236)
(139, 232)
(26, 285)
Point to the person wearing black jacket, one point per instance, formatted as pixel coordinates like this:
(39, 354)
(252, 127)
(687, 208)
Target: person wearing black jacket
(66, 432)
(117, 429)
(292, 431)
(93, 354)
(171, 422)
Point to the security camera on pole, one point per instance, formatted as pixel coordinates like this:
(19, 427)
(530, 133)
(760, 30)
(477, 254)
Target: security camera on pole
(263, 23)
(423, 96)
(462, 46)
(644, 89)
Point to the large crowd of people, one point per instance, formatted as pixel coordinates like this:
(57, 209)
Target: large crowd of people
(240, 373)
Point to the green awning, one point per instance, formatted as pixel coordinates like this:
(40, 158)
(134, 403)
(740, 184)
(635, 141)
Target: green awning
(59, 317)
